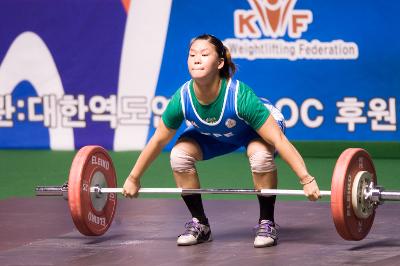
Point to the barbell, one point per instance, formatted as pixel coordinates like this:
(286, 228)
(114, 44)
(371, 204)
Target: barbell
(92, 186)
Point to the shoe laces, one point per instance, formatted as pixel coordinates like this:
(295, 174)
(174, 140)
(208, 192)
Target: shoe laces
(193, 227)
(266, 228)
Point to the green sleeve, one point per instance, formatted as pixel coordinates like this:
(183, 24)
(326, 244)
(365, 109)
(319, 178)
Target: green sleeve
(250, 107)
(173, 114)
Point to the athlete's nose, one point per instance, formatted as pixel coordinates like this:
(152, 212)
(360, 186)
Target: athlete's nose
(197, 59)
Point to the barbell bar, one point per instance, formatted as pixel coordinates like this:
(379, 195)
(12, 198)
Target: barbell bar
(265, 192)
(91, 192)
(60, 190)
(375, 194)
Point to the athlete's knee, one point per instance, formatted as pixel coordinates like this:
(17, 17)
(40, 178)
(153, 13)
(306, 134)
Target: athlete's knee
(262, 162)
(181, 161)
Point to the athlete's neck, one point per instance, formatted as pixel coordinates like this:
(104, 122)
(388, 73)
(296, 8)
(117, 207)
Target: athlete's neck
(207, 91)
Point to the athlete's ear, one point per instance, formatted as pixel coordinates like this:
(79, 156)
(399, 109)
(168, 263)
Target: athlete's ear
(221, 63)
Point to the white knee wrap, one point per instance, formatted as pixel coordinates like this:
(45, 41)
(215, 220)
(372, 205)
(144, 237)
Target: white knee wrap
(182, 161)
(262, 162)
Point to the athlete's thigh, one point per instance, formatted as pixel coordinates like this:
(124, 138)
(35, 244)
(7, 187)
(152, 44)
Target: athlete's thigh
(209, 146)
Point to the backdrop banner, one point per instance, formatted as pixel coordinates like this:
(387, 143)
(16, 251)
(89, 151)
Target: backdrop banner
(74, 73)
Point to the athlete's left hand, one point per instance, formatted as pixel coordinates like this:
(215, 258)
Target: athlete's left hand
(311, 190)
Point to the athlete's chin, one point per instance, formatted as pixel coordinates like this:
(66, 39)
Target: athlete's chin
(197, 75)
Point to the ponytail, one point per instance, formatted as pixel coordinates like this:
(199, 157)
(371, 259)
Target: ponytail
(229, 67)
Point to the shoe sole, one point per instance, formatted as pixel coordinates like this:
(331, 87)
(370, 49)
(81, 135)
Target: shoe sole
(198, 242)
(268, 245)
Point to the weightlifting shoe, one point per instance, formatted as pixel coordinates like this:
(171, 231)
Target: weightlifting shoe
(195, 233)
(266, 234)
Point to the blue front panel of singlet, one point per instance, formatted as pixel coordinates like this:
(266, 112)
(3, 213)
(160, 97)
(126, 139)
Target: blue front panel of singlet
(230, 128)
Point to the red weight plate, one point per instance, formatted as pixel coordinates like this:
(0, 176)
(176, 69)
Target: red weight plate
(347, 224)
(91, 161)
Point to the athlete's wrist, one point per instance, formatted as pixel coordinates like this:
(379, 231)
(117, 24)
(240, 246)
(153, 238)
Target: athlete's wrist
(306, 179)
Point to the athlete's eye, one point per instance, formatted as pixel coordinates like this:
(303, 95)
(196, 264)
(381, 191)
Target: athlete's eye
(205, 55)
(191, 55)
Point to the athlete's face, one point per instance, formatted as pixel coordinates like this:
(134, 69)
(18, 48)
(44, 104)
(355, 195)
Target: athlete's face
(203, 60)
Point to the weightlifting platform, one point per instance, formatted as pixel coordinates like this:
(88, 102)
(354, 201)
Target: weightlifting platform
(40, 231)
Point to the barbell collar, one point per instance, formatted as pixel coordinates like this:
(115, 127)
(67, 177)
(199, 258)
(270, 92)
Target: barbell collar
(51, 190)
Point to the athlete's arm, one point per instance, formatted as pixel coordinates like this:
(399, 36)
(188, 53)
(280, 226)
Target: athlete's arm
(272, 134)
(161, 137)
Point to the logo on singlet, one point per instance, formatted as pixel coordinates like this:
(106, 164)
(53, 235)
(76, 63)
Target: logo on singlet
(194, 124)
(211, 120)
(230, 123)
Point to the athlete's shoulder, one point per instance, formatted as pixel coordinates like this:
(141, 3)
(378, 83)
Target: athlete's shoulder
(174, 114)
(186, 85)
(244, 87)
(245, 92)
(178, 93)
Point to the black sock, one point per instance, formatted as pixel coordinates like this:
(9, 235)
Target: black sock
(267, 206)
(195, 205)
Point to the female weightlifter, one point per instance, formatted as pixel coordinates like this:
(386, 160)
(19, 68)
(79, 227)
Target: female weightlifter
(225, 115)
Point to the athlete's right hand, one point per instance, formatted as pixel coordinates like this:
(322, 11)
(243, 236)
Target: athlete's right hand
(131, 187)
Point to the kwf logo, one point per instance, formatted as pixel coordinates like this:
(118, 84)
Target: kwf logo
(271, 18)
